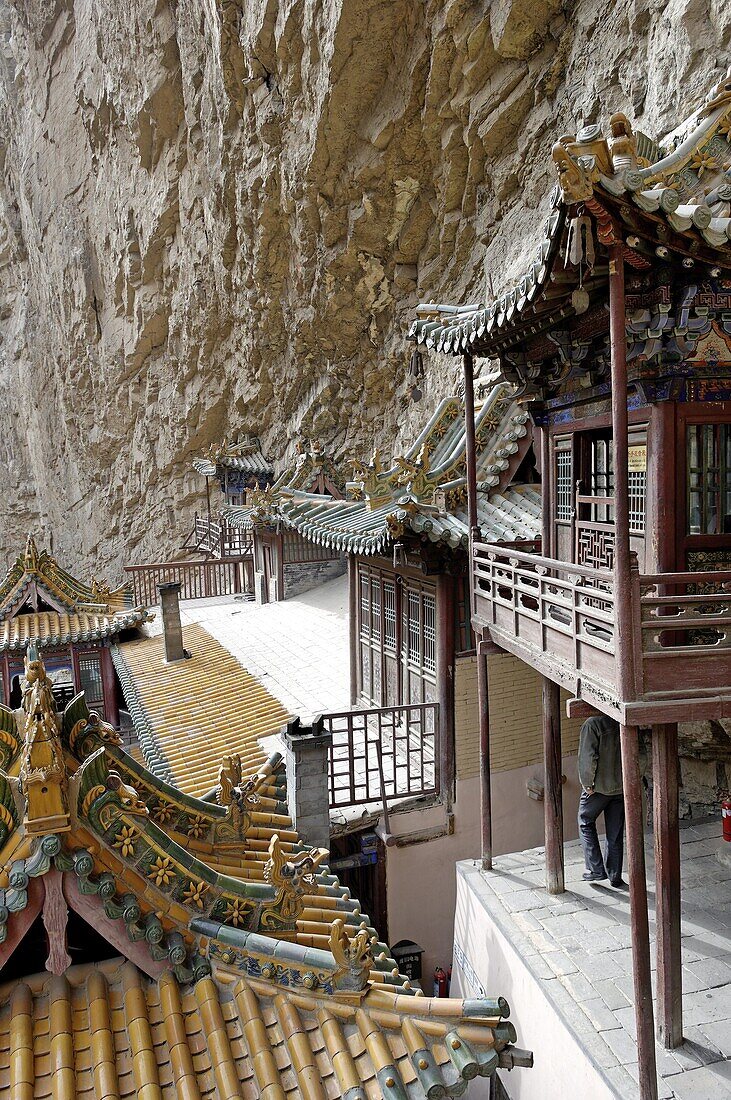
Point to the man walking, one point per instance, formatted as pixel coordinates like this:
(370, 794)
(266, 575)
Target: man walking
(600, 773)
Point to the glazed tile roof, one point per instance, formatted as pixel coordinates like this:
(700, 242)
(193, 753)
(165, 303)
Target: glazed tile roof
(244, 454)
(677, 192)
(226, 991)
(180, 708)
(424, 491)
(81, 612)
(109, 1031)
(49, 628)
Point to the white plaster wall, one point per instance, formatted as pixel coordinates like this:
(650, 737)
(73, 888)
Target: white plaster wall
(561, 1068)
(421, 877)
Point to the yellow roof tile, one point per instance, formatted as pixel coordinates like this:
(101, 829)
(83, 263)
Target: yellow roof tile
(107, 1030)
(202, 709)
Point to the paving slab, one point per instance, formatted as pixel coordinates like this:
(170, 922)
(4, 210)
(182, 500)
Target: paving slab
(586, 951)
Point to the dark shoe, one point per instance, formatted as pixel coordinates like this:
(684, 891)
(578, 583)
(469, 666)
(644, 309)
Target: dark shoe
(619, 884)
(593, 876)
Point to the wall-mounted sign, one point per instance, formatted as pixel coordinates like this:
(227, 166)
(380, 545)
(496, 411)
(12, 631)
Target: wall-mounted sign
(637, 457)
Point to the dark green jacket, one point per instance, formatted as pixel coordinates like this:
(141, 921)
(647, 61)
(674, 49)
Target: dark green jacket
(600, 757)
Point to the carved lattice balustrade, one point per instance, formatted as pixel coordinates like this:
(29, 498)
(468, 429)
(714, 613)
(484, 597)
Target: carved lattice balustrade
(685, 627)
(555, 616)
(560, 618)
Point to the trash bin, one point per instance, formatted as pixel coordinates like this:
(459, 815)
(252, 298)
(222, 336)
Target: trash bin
(408, 958)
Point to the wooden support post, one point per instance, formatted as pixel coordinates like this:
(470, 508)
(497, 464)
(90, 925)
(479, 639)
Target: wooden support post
(485, 778)
(640, 929)
(353, 627)
(553, 797)
(109, 687)
(624, 641)
(445, 599)
(667, 884)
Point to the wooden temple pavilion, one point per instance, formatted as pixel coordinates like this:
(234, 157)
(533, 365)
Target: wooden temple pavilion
(404, 529)
(618, 341)
(285, 563)
(74, 624)
(190, 948)
(411, 767)
(232, 468)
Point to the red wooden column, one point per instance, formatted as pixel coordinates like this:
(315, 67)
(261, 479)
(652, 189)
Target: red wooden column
(624, 649)
(109, 686)
(553, 791)
(445, 599)
(485, 774)
(639, 924)
(353, 625)
(667, 884)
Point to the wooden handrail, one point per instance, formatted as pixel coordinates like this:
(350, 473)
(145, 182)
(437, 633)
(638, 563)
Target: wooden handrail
(548, 563)
(717, 576)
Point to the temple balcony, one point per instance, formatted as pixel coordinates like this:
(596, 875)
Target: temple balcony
(216, 538)
(561, 619)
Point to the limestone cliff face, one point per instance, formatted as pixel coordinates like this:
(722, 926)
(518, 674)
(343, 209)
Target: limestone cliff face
(219, 214)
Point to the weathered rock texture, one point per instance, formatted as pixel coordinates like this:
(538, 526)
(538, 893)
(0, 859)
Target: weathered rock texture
(219, 214)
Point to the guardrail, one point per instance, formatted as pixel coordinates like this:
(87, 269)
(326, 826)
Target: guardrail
(217, 537)
(560, 618)
(198, 579)
(382, 755)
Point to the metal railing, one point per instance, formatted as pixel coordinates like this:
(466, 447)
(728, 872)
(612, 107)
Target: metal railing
(382, 755)
(198, 579)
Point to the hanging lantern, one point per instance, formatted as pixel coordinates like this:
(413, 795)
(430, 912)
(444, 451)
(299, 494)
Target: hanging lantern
(416, 372)
(416, 365)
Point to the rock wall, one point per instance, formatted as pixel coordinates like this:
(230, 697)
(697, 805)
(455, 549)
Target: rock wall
(219, 214)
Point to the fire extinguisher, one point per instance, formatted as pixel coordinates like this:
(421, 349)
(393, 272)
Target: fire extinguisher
(440, 982)
(726, 818)
(449, 982)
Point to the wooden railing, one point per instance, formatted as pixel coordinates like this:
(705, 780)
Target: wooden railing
(684, 621)
(198, 579)
(218, 538)
(560, 618)
(382, 755)
(548, 610)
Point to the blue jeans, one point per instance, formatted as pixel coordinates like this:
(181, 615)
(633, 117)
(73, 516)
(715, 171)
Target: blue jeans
(612, 806)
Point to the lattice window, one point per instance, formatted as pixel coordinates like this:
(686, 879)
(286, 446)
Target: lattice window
(637, 483)
(709, 479)
(429, 634)
(564, 502)
(389, 615)
(602, 479)
(365, 606)
(90, 680)
(376, 609)
(412, 626)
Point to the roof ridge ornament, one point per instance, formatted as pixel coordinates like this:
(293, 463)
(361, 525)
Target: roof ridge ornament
(43, 776)
(370, 482)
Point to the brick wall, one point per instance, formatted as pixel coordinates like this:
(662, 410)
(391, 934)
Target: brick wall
(301, 577)
(515, 716)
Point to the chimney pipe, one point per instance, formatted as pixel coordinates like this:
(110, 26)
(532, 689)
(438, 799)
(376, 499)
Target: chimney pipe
(171, 626)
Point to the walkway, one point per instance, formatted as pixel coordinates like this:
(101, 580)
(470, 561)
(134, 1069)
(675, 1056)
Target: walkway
(298, 648)
(577, 949)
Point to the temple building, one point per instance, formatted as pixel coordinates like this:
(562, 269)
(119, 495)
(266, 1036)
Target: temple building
(232, 468)
(617, 340)
(155, 944)
(286, 563)
(74, 623)
(404, 761)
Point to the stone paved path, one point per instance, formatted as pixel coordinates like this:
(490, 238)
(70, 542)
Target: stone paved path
(298, 648)
(579, 944)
